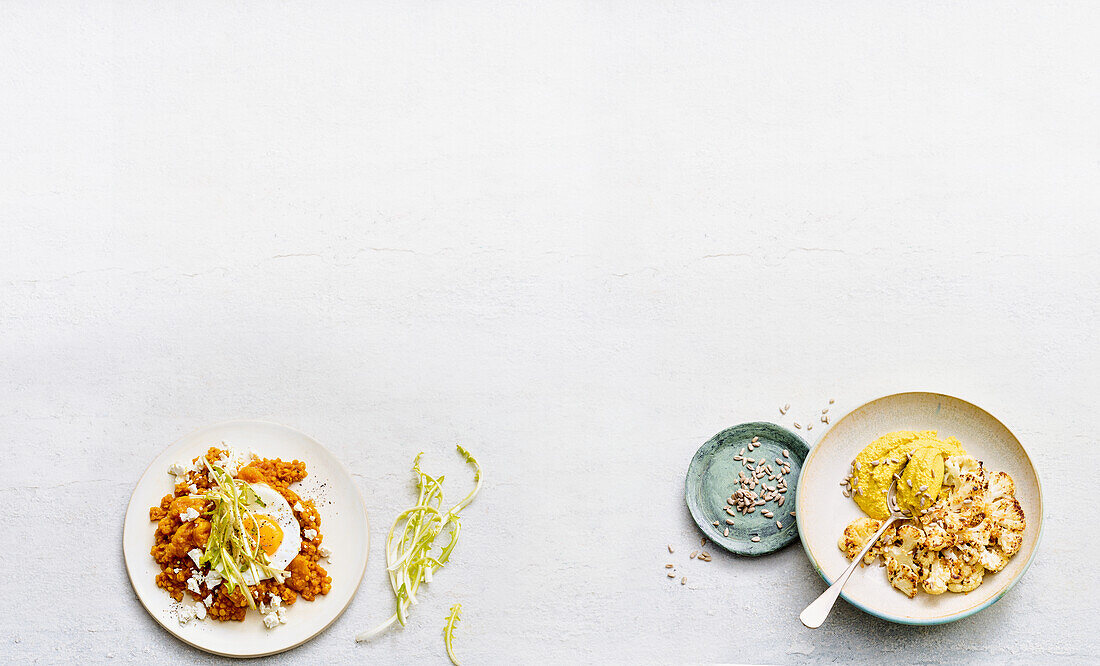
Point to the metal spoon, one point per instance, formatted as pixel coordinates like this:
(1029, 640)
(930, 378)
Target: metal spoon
(815, 614)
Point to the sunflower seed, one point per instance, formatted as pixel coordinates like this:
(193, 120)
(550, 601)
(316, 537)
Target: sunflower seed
(668, 566)
(798, 425)
(683, 580)
(779, 524)
(831, 401)
(729, 521)
(792, 514)
(671, 575)
(715, 523)
(693, 554)
(670, 547)
(726, 532)
(755, 440)
(810, 426)
(755, 539)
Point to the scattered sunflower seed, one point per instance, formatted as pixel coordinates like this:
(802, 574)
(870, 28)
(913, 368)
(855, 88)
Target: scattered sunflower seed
(729, 521)
(755, 440)
(798, 425)
(726, 532)
(755, 539)
(670, 547)
(668, 566)
(683, 580)
(671, 575)
(693, 554)
(779, 524)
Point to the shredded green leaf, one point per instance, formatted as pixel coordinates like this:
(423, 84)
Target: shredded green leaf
(449, 632)
(231, 549)
(409, 560)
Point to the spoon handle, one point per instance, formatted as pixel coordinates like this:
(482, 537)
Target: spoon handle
(815, 614)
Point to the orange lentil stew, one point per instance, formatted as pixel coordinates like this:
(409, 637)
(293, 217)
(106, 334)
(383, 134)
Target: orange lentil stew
(174, 538)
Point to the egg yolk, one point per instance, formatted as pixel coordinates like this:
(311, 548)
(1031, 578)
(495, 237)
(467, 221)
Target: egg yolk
(266, 531)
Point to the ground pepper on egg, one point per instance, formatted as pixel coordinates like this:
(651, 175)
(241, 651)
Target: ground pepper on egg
(174, 538)
(917, 457)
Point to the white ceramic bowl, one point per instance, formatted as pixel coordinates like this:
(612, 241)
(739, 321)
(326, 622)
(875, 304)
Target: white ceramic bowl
(343, 524)
(823, 511)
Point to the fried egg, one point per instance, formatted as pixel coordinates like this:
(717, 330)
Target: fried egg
(275, 527)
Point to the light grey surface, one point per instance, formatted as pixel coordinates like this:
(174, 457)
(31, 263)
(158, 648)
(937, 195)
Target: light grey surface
(580, 238)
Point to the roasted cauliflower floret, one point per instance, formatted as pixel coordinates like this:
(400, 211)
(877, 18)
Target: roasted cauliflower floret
(858, 532)
(1008, 514)
(902, 570)
(1001, 485)
(936, 538)
(902, 574)
(1009, 541)
(993, 559)
(965, 577)
(935, 574)
(955, 466)
(972, 485)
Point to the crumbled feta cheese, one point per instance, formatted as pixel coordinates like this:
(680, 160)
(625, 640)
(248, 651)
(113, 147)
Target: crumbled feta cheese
(193, 489)
(213, 580)
(309, 534)
(186, 613)
(189, 515)
(276, 601)
(176, 469)
(193, 585)
(199, 465)
(200, 611)
(209, 600)
(271, 620)
(298, 507)
(324, 552)
(280, 612)
(195, 554)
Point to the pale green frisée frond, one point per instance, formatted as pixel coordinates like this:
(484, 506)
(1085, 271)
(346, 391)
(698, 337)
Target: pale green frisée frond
(449, 632)
(231, 549)
(409, 560)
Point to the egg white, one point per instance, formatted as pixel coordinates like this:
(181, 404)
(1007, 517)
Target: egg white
(278, 509)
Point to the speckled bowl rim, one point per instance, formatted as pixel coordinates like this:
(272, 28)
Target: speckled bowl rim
(799, 446)
(947, 618)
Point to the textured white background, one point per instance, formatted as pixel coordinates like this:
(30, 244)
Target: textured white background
(580, 238)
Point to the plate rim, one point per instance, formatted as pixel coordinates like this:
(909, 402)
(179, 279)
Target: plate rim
(960, 614)
(246, 655)
(703, 525)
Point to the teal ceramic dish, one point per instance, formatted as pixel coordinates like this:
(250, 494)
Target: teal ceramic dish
(712, 478)
(823, 511)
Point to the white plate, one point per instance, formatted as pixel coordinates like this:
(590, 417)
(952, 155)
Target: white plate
(343, 524)
(824, 512)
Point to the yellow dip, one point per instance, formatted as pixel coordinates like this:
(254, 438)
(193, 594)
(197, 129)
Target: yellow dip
(916, 456)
